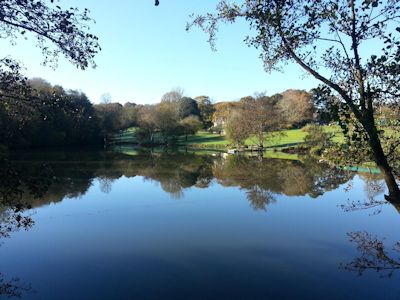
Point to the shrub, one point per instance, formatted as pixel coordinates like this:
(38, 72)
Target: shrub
(317, 139)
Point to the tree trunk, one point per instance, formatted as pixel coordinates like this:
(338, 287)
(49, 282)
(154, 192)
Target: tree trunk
(260, 140)
(382, 163)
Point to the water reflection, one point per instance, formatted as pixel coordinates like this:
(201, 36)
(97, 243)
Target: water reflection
(16, 185)
(35, 180)
(20, 187)
(73, 174)
(13, 288)
(374, 255)
(291, 178)
(373, 199)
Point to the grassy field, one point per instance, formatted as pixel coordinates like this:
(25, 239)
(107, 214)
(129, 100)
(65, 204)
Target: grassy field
(207, 140)
(125, 137)
(285, 138)
(204, 138)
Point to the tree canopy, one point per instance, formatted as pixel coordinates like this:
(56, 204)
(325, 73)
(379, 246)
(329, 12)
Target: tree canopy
(57, 30)
(326, 38)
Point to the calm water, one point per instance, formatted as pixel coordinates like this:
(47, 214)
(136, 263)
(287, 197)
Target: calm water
(185, 226)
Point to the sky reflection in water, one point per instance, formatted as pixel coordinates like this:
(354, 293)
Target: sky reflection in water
(184, 226)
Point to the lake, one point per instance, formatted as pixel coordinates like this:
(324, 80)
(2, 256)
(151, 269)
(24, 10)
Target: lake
(141, 225)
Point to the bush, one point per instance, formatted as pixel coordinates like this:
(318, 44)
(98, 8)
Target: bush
(317, 139)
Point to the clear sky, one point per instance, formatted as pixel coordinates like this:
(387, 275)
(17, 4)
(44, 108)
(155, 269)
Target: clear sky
(147, 52)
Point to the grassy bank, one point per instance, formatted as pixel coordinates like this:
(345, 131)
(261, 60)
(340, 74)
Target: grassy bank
(211, 141)
(280, 140)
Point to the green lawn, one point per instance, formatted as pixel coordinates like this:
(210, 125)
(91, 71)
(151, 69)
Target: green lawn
(285, 138)
(126, 136)
(207, 140)
(204, 138)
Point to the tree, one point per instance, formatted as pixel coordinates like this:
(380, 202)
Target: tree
(51, 116)
(187, 107)
(173, 96)
(236, 128)
(326, 105)
(389, 115)
(206, 110)
(296, 107)
(58, 32)
(317, 138)
(326, 39)
(190, 125)
(166, 120)
(110, 118)
(106, 98)
(64, 29)
(147, 123)
(260, 116)
(222, 112)
(130, 115)
(246, 99)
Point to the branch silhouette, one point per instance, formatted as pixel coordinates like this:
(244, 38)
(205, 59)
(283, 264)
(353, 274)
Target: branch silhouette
(374, 255)
(13, 288)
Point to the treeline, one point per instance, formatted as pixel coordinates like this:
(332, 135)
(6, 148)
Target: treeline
(37, 114)
(259, 115)
(161, 123)
(34, 113)
(253, 117)
(177, 115)
(46, 115)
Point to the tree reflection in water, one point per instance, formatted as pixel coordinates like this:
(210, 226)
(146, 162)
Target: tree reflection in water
(106, 184)
(14, 219)
(374, 201)
(373, 255)
(70, 175)
(260, 198)
(263, 178)
(18, 187)
(16, 183)
(32, 181)
(13, 288)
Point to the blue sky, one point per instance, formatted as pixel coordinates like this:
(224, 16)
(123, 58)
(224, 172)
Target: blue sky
(147, 52)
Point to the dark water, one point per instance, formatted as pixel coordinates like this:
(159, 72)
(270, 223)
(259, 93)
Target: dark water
(185, 226)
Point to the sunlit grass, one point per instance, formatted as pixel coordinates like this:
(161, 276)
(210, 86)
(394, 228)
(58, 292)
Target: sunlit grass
(205, 139)
(284, 138)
